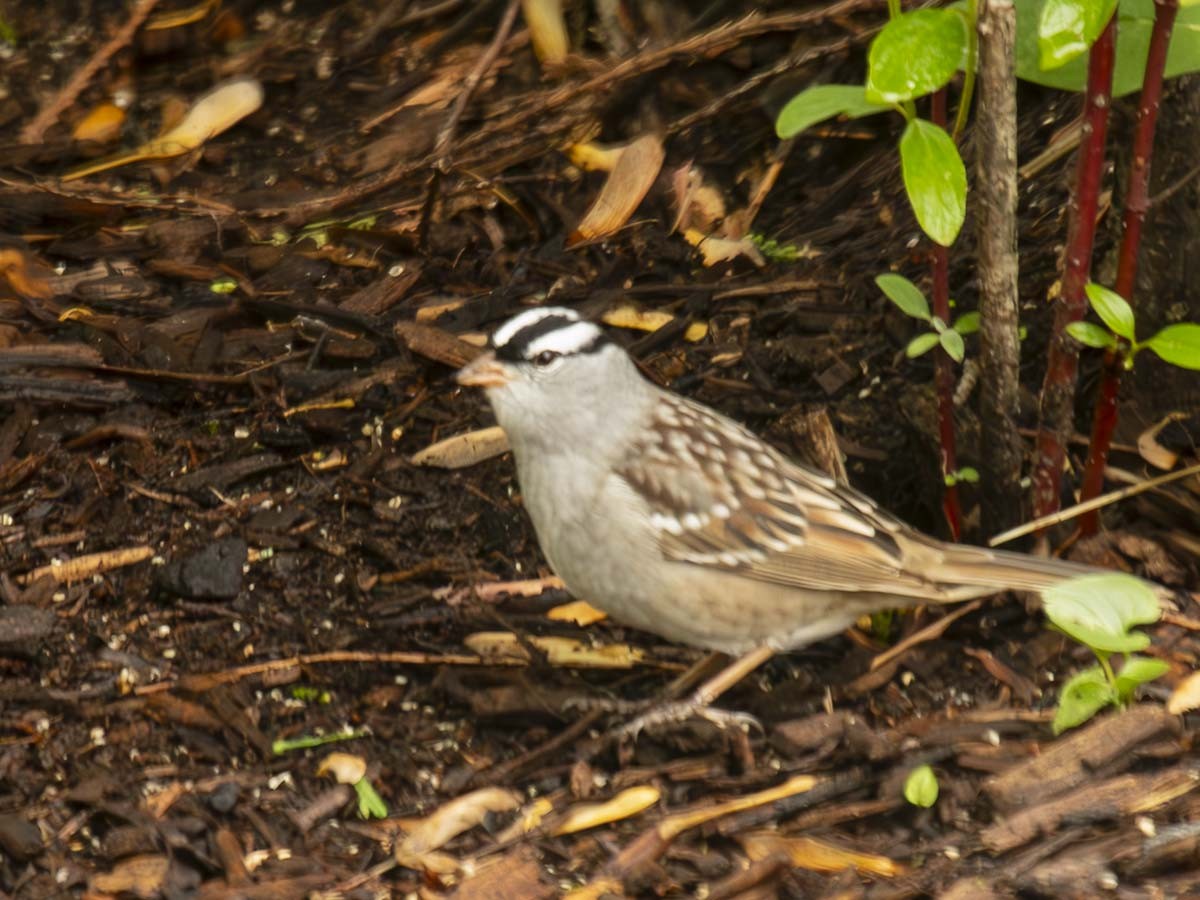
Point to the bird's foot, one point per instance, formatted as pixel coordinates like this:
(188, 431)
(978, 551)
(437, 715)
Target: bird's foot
(606, 705)
(679, 711)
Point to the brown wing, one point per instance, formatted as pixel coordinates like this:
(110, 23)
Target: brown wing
(719, 496)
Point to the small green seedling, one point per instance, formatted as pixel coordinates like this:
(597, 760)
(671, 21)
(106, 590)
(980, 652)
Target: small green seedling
(774, 251)
(308, 742)
(1178, 344)
(921, 787)
(370, 804)
(910, 301)
(350, 769)
(965, 475)
(1100, 612)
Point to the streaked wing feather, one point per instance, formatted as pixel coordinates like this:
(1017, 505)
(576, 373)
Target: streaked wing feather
(721, 497)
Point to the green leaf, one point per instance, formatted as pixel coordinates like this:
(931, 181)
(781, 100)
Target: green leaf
(921, 787)
(1067, 28)
(1178, 344)
(967, 323)
(921, 345)
(1082, 697)
(1138, 670)
(1113, 309)
(915, 54)
(952, 343)
(1091, 335)
(824, 101)
(370, 804)
(968, 474)
(1099, 610)
(1135, 23)
(935, 180)
(904, 294)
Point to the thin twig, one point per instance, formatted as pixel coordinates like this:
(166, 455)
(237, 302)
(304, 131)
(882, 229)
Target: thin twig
(36, 129)
(1079, 509)
(445, 137)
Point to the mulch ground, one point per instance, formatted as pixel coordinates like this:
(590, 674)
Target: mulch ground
(215, 370)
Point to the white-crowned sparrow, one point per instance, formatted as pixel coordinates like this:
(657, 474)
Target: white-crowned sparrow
(677, 520)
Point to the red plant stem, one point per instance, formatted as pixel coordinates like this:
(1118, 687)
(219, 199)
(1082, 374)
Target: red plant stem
(1104, 418)
(1058, 387)
(943, 371)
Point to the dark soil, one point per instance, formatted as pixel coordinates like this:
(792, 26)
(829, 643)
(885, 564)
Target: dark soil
(202, 377)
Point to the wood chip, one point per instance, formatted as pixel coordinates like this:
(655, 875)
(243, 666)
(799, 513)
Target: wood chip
(1069, 762)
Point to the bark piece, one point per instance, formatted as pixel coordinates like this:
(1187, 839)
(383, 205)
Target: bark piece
(1070, 762)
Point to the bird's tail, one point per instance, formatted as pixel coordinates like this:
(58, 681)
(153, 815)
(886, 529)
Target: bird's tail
(967, 571)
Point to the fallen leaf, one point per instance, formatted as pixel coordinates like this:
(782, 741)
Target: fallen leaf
(1152, 451)
(716, 250)
(547, 30)
(818, 856)
(139, 875)
(626, 315)
(576, 611)
(417, 850)
(101, 125)
(629, 802)
(559, 651)
(1186, 695)
(217, 111)
(628, 183)
(346, 768)
(698, 206)
(463, 450)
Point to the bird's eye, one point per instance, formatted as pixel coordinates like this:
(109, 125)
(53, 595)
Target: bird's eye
(546, 357)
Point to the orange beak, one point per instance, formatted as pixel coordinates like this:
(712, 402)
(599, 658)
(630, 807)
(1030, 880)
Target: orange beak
(484, 371)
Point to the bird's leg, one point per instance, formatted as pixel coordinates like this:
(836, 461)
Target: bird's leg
(699, 704)
(697, 673)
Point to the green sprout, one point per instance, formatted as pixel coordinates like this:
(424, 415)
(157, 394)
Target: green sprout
(775, 251)
(370, 804)
(965, 475)
(1177, 344)
(910, 301)
(1100, 611)
(921, 787)
(307, 742)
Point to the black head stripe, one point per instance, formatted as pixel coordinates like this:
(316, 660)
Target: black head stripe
(565, 335)
(514, 349)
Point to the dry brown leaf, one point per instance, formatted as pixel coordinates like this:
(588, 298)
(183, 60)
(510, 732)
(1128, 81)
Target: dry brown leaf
(628, 183)
(1152, 451)
(593, 157)
(25, 273)
(142, 876)
(217, 111)
(629, 802)
(1186, 695)
(417, 850)
(576, 611)
(547, 30)
(463, 450)
(716, 250)
(698, 206)
(626, 315)
(559, 651)
(817, 856)
(101, 125)
(346, 768)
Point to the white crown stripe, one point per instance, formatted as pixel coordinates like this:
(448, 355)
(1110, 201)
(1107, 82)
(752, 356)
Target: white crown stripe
(567, 340)
(518, 323)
